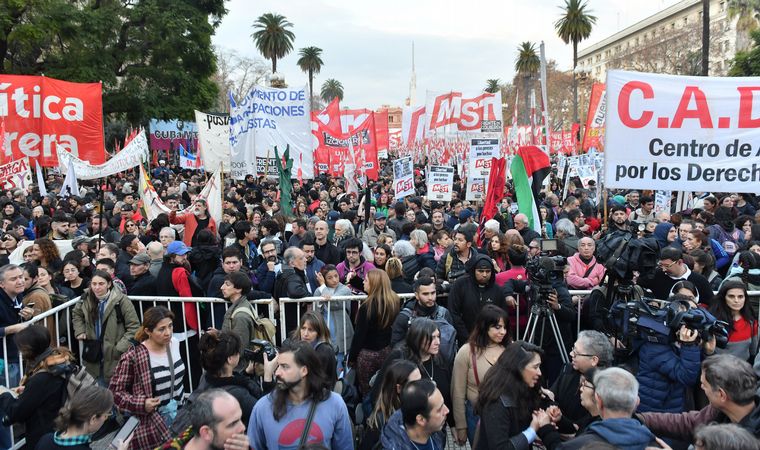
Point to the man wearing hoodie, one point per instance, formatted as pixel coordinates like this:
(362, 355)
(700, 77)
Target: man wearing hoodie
(419, 422)
(473, 291)
(616, 397)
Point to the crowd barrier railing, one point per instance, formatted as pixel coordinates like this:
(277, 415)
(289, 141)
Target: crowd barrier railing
(59, 319)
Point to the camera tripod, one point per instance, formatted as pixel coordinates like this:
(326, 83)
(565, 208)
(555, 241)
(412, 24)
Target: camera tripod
(541, 313)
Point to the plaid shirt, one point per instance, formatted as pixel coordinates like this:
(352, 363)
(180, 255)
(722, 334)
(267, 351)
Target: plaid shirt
(131, 384)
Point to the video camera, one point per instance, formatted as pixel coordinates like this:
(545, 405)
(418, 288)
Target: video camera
(644, 319)
(256, 350)
(545, 269)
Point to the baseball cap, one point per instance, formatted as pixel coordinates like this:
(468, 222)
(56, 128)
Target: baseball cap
(465, 214)
(332, 217)
(380, 215)
(140, 259)
(177, 248)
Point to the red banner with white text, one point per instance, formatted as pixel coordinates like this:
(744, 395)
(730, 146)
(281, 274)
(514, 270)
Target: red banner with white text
(39, 113)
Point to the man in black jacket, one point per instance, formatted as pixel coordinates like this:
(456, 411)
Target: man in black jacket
(292, 283)
(142, 282)
(670, 270)
(473, 291)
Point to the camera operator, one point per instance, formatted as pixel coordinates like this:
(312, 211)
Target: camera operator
(618, 221)
(667, 370)
(557, 302)
(672, 269)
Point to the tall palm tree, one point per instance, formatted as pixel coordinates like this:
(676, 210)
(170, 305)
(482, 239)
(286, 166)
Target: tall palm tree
(527, 64)
(332, 88)
(272, 37)
(311, 63)
(574, 26)
(493, 85)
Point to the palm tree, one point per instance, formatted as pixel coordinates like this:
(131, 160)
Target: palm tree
(526, 65)
(331, 88)
(311, 63)
(493, 85)
(272, 37)
(574, 26)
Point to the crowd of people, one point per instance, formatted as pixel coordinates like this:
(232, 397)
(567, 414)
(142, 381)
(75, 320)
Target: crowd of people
(444, 337)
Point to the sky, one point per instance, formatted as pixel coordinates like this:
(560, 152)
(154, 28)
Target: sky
(367, 45)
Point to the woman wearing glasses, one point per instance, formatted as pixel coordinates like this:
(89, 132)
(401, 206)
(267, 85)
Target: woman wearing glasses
(72, 277)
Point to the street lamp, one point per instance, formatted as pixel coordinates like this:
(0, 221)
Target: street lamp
(583, 72)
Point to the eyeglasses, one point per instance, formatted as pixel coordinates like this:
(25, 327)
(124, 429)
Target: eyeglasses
(352, 252)
(665, 266)
(587, 385)
(577, 353)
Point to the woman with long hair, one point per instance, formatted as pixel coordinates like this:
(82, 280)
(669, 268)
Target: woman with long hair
(422, 346)
(474, 359)
(372, 339)
(731, 305)
(135, 386)
(106, 321)
(58, 294)
(497, 250)
(335, 313)
(313, 329)
(220, 354)
(42, 388)
(510, 401)
(395, 377)
(47, 254)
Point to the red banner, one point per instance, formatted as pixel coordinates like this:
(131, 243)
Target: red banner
(41, 113)
(593, 135)
(331, 153)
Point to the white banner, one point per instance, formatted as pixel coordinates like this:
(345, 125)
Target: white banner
(669, 132)
(17, 175)
(440, 183)
(476, 189)
(214, 140)
(482, 149)
(473, 112)
(265, 118)
(130, 156)
(403, 177)
(662, 201)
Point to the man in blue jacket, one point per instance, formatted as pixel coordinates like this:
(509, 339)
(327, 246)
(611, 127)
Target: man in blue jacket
(419, 421)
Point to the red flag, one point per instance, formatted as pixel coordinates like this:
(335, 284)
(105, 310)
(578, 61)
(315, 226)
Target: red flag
(332, 116)
(495, 192)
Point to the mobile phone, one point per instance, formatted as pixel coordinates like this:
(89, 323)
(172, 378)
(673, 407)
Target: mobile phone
(125, 432)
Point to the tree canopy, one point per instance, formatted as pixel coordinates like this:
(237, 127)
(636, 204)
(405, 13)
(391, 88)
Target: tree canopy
(154, 57)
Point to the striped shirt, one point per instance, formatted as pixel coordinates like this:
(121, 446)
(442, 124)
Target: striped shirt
(161, 375)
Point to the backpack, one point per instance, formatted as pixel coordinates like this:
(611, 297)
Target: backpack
(76, 379)
(448, 348)
(263, 327)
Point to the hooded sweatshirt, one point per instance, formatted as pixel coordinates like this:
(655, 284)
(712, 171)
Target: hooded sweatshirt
(467, 297)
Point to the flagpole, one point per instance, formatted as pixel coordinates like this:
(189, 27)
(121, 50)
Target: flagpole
(100, 213)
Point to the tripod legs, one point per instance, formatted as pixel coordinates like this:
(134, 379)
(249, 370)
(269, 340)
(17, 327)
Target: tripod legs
(530, 331)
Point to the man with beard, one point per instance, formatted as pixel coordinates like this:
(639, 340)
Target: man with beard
(379, 227)
(313, 264)
(325, 251)
(452, 263)
(353, 270)
(194, 222)
(473, 291)
(60, 227)
(618, 220)
(215, 424)
(292, 283)
(302, 396)
(267, 272)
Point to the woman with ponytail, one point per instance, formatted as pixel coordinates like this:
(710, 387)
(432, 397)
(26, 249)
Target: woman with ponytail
(88, 409)
(155, 358)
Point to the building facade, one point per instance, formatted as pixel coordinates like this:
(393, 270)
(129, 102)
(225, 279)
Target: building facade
(669, 41)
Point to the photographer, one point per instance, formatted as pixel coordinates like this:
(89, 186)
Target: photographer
(667, 370)
(543, 275)
(671, 270)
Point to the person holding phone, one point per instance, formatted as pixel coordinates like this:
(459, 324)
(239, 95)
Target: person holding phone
(89, 408)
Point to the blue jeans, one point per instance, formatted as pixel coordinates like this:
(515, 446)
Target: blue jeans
(472, 421)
